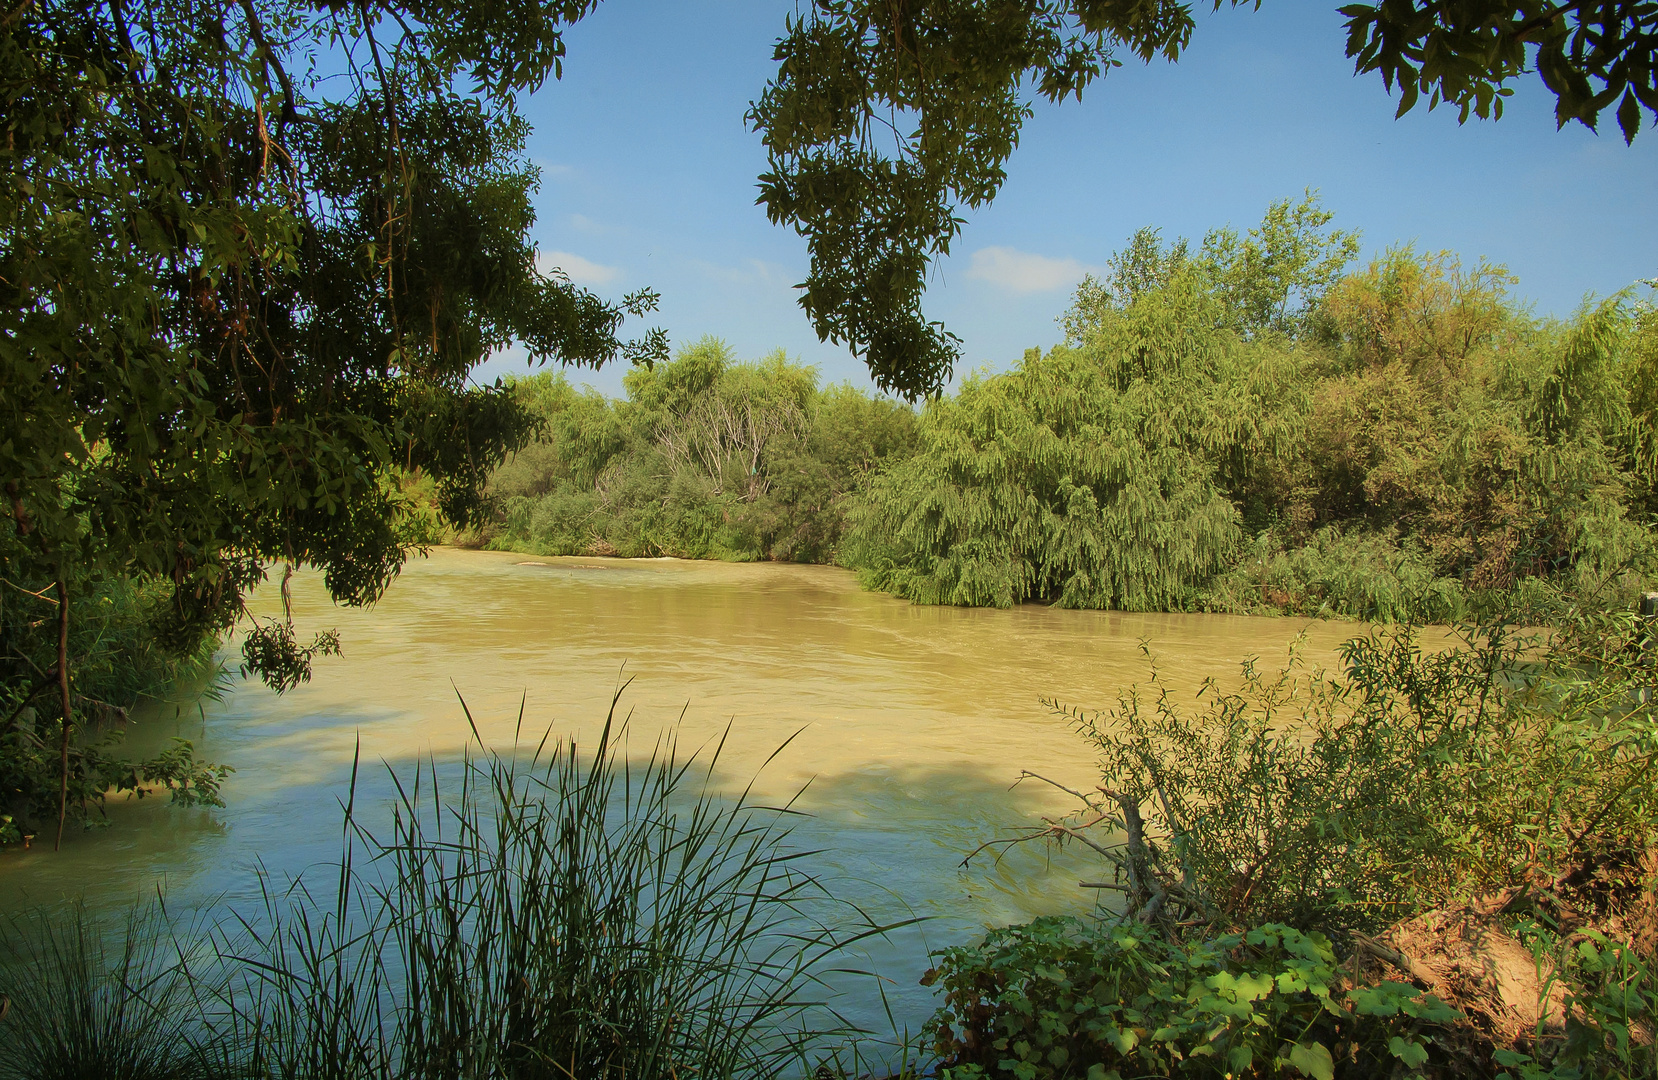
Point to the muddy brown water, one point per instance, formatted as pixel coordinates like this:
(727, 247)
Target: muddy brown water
(908, 724)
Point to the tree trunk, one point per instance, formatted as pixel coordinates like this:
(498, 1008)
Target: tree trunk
(68, 713)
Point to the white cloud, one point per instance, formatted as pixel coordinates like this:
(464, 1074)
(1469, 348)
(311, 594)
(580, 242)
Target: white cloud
(577, 269)
(750, 273)
(1023, 272)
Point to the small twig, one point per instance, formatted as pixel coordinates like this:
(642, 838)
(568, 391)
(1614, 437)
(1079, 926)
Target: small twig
(45, 680)
(1583, 833)
(41, 595)
(1027, 774)
(256, 30)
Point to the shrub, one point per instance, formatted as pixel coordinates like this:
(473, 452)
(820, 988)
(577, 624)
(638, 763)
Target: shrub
(124, 650)
(707, 458)
(1355, 575)
(1413, 779)
(1061, 997)
(1479, 818)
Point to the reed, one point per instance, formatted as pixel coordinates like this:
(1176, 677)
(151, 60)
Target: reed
(83, 1003)
(543, 911)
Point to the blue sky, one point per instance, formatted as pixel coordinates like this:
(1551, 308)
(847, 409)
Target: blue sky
(649, 173)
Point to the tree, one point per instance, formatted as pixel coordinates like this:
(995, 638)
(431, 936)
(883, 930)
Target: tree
(1591, 54)
(249, 251)
(887, 116)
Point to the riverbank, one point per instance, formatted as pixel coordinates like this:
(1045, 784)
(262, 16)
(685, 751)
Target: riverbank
(909, 723)
(1420, 790)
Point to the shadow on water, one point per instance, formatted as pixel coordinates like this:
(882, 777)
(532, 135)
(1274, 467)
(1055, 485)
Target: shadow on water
(886, 842)
(908, 726)
(490, 882)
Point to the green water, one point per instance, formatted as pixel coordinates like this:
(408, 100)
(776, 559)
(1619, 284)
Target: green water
(908, 724)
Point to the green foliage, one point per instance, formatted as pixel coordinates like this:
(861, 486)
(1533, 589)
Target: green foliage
(1097, 475)
(30, 779)
(1413, 780)
(1244, 428)
(706, 458)
(1361, 575)
(249, 251)
(883, 120)
(1253, 835)
(122, 659)
(1061, 997)
(875, 217)
(246, 272)
(1589, 56)
(1051, 484)
(1277, 276)
(1612, 1005)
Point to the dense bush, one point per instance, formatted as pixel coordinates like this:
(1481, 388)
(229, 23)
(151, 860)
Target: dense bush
(1246, 426)
(1479, 821)
(706, 458)
(1243, 428)
(1366, 575)
(1062, 997)
(1414, 779)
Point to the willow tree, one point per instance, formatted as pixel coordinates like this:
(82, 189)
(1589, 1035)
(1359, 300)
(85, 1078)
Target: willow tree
(1108, 472)
(249, 251)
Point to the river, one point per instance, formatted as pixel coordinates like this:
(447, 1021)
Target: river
(909, 724)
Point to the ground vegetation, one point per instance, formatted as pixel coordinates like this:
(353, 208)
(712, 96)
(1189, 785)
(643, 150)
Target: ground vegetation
(1436, 862)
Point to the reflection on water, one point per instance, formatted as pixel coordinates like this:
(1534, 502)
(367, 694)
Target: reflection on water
(905, 725)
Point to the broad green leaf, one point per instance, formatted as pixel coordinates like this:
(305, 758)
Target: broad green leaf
(1409, 1051)
(1313, 1059)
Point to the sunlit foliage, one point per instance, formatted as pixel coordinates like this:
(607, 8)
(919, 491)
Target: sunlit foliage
(706, 458)
(1244, 427)
(884, 120)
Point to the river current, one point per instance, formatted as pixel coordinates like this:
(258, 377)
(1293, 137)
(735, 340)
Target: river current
(907, 726)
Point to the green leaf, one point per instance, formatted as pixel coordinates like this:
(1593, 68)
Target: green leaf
(1313, 1059)
(1409, 1051)
(1121, 1039)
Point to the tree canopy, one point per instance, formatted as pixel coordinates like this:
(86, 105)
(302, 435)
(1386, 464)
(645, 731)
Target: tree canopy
(1251, 426)
(886, 118)
(249, 252)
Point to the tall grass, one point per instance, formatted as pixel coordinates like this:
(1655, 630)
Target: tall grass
(80, 1003)
(539, 912)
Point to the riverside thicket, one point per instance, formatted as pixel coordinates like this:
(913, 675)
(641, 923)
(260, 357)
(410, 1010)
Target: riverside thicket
(1241, 428)
(706, 458)
(1245, 425)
